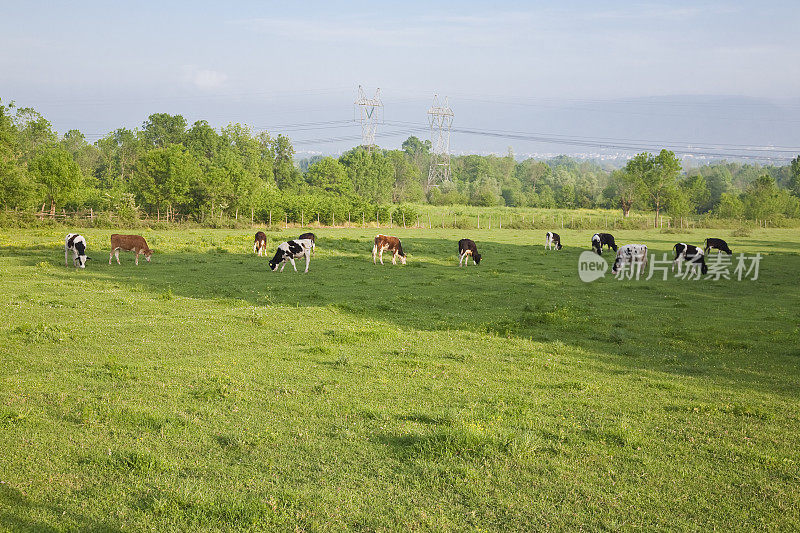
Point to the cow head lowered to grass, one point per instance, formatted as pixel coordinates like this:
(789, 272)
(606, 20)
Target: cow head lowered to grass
(289, 251)
(77, 245)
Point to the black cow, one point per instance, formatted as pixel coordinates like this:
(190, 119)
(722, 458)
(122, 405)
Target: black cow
(313, 238)
(467, 249)
(719, 244)
(289, 251)
(690, 253)
(552, 239)
(603, 239)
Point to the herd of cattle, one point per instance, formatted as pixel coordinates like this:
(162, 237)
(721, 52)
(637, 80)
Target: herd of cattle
(629, 254)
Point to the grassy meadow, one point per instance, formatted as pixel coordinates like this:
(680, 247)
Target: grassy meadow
(203, 392)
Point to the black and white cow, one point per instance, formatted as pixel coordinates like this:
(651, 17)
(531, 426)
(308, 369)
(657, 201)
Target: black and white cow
(630, 254)
(690, 253)
(603, 239)
(289, 251)
(552, 239)
(312, 238)
(77, 245)
(467, 249)
(719, 244)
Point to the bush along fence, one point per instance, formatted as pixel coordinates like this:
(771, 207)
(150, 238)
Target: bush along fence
(393, 217)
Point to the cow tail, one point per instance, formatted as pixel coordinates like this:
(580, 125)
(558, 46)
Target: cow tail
(400, 248)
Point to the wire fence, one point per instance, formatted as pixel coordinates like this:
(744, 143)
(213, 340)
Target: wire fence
(454, 218)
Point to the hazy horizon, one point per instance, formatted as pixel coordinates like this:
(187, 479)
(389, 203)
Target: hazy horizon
(702, 77)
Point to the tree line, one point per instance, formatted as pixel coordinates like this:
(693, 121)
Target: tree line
(168, 166)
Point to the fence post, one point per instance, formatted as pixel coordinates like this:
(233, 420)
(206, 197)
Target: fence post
(404, 219)
(333, 219)
(377, 220)
(302, 218)
(500, 217)
(390, 219)
(479, 221)
(270, 217)
(430, 223)
(363, 220)
(286, 215)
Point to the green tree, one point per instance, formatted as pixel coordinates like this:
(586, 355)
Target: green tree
(163, 177)
(34, 131)
(625, 185)
(15, 188)
(56, 172)
(162, 129)
(729, 206)
(654, 177)
(531, 172)
(371, 173)
(329, 175)
(697, 192)
(764, 199)
(795, 175)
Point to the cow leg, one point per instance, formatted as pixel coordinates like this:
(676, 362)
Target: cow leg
(374, 253)
(293, 265)
(394, 258)
(460, 259)
(66, 257)
(283, 265)
(380, 255)
(110, 256)
(137, 257)
(116, 254)
(308, 259)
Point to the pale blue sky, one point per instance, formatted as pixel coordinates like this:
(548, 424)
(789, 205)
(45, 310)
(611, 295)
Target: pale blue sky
(507, 65)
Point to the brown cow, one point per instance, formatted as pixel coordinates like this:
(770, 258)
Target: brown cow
(384, 242)
(132, 243)
(260, 244)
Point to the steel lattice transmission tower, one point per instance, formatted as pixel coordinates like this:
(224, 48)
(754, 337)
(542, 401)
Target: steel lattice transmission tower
(370, 112)
(440, 118)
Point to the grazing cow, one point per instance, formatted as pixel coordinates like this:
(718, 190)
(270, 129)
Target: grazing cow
(384, 242)
(77, 245)
(129, 243)
(552, 239)
(467, 249)
(289, 251)
(313, 238)
(690, 253)
(603, 239)
(632, 254)
(719, 244)
(260, 244)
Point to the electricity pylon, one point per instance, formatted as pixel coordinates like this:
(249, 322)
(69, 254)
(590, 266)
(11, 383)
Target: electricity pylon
(370, 112)
(440, 118)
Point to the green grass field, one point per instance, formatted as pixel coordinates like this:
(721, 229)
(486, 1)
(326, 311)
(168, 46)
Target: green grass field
(203, 392)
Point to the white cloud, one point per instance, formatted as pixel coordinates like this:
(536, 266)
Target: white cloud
(205, 79)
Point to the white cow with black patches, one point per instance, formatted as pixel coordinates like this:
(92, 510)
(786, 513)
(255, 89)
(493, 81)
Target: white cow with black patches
(289, 251)
(77, 245)
(630, 254)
